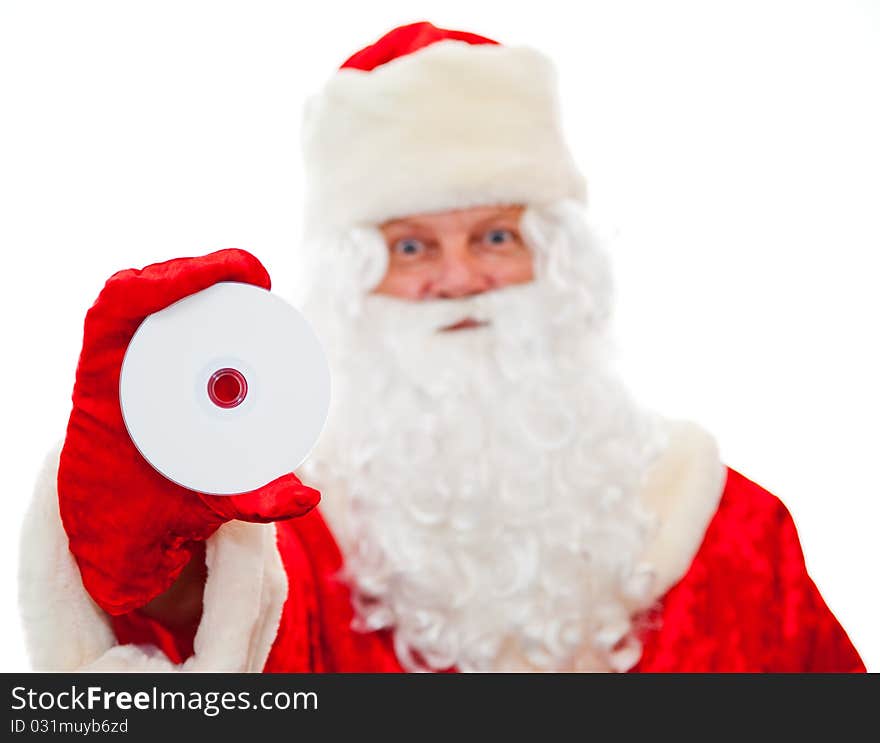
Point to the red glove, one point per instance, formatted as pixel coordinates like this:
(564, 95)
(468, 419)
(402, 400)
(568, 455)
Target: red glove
(130, 529)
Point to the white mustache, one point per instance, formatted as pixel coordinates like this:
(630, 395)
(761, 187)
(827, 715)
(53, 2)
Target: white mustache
(498, 308)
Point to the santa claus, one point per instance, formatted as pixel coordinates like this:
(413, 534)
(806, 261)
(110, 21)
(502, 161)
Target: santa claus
(493, 498)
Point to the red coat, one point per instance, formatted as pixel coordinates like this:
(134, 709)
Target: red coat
(746, 604)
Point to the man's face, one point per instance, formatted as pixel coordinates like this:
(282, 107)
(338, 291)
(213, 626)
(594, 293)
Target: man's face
(455, 254)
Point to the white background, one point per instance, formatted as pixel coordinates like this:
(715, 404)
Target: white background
(731, 147)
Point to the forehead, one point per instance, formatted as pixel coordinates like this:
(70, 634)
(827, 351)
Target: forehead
(457, 219)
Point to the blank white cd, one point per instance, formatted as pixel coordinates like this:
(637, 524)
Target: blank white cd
(225, 390)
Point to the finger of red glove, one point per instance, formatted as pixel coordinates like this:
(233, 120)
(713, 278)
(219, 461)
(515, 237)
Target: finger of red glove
(281, 499)
(133, 294)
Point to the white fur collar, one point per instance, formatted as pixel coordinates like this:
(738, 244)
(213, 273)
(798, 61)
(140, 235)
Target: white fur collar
(683, 488)
(66, 631)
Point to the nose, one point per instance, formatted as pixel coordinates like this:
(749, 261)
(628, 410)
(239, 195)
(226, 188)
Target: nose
(460, 276)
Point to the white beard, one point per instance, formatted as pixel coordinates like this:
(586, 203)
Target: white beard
(484, 483)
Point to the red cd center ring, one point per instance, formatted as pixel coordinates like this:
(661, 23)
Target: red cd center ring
(227, 388)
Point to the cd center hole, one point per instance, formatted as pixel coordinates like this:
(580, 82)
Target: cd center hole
(227, 388)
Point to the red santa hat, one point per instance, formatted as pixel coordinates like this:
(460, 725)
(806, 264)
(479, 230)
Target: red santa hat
(428, 119)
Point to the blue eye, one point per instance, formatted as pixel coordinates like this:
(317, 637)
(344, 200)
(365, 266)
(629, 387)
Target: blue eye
(498, 237)
(409, 246)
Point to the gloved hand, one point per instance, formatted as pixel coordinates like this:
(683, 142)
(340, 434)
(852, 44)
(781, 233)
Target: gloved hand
(130, 529)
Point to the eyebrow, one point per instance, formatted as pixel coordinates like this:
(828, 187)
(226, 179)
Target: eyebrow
(508, 217)
(404, 223)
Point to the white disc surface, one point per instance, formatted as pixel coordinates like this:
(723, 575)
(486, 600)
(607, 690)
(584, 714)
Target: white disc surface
(188, 437)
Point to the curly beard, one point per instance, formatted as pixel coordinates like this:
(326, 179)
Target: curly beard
(484, 483)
